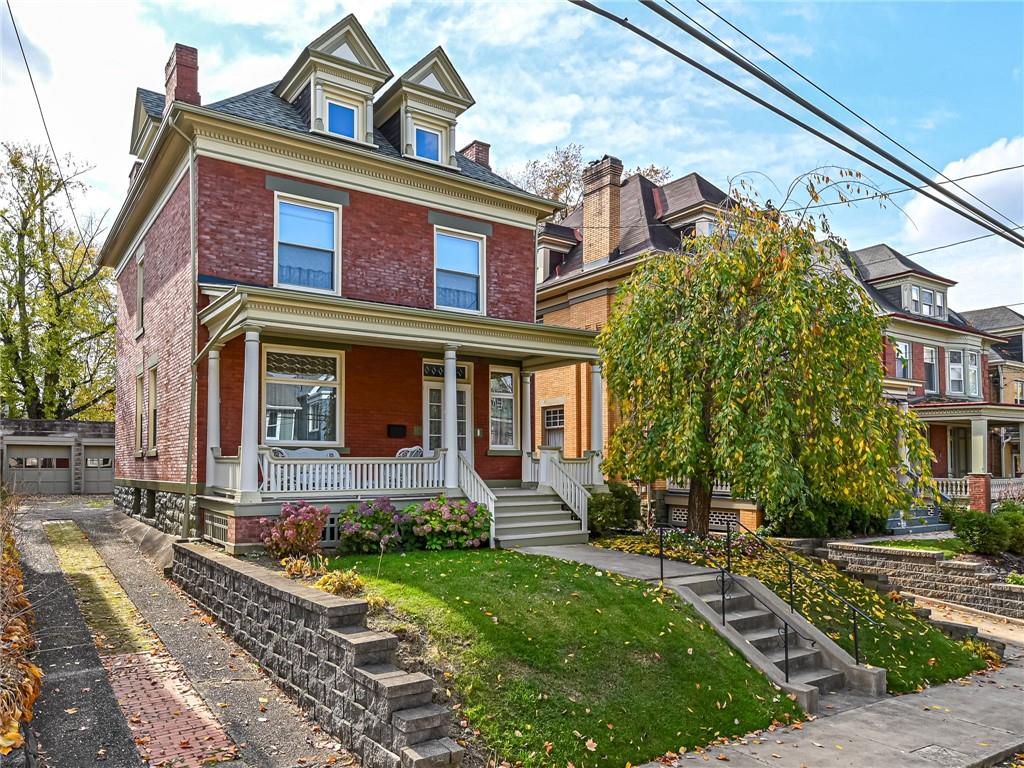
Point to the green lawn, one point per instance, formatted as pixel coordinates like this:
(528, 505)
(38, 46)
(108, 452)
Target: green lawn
(913, 652)
(951, 546)
(551, 655)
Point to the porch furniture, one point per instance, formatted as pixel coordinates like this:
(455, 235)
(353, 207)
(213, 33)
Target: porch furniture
(304, 453)
(413, 452)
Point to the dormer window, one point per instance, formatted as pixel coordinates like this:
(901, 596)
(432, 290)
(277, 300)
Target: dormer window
(428, 144)
(927, 302)
(341, 119)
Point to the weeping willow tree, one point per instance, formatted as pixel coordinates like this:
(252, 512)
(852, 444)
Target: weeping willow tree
(752, 357)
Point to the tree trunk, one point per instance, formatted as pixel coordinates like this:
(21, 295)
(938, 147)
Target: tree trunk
(698, 509)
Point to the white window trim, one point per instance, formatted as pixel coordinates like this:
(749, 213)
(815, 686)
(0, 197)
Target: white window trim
(909, 359)
(976, 367)
(515, 374)
(305, 201)
(949, 372)
(935, 366)
(464, 387)
(482, 277)
(339, 427)
(441, 148)
(915, 301)
(357, 121)
(1018, 392)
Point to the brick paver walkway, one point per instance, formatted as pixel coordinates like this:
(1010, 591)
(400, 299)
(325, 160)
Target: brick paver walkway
(171, 723)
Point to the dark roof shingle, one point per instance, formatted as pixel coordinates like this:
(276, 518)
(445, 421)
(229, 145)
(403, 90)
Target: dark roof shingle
(993, 318)
(880, 261)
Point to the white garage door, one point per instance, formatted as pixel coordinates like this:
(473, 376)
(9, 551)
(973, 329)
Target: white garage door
(38, 469)
(99, 469)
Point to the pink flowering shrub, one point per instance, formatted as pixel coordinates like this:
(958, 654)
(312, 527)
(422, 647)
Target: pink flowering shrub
(296, 532)
(371, 526)
(451, 523)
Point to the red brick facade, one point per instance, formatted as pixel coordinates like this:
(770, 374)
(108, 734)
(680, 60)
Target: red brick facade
(917, 369)
(387, 245)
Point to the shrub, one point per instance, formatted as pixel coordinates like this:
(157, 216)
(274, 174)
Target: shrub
(304, 567)
(451, 523)
(1014, 517)
(821, 518)
(982, 532)
(628, 499)
(604, 513)
(346, 583)
(1015, 578)
(296, 532)
(371, 526)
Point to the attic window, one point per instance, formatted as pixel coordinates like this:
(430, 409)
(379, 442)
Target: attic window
(341, 119)
(428, 144)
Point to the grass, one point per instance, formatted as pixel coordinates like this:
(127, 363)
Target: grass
(913, 652)
(952, 546)
(552, 657)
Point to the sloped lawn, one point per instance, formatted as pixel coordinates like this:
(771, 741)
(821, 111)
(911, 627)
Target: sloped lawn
(557, 663)
(952, 547)
(913, 652)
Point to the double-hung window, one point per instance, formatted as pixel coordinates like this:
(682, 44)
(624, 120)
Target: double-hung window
(152, 408)
(931, 369)
(915, 299)
(140, 292)
(927, 302)
(956, 372)
(1018, 392)
(939, 301)
(973, 380)
(140, 413)
(902, 349)
(503, 408)
(428, 144)
(307, 245)
(301, 397)
(554, 426)
(341, 119)
(458, 262)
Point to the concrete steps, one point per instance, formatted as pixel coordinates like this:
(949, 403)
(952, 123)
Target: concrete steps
(531, 517)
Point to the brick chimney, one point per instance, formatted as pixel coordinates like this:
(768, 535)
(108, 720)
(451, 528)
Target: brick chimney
(478, 152)
(182, 76)
(601, 183)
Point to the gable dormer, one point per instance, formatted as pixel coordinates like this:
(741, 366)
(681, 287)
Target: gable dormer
(419, 111)
(334, 81)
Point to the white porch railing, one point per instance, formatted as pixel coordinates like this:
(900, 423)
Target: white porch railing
(1007, 488)
(476, 490)
(952, 487)
(552, 472)
(311, 476)
(585, 471)
(683, 484)
(227, 471)
(531, 471)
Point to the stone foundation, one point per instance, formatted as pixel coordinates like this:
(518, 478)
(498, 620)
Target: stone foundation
(929, 574)
(317, 649)
(163, 510)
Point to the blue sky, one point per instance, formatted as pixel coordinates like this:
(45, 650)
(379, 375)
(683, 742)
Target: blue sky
(944, 78)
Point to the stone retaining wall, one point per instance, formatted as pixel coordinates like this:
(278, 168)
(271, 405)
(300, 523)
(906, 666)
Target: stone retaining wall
(317, 649)
(930, 575)
(161, 509)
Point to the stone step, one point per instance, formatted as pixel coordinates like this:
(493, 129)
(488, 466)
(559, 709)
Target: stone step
(391, 682)
(821, 552)
(933, 528)
(733, 602)
(537, 506)
(824, 680)
(506, 530)
(420, 724)
(743, 621)
(766, 640)
(701, 584)
(436, 753)
(508, 493)
(539, 516)
(800, 658)
(365, 645)
(543, 539)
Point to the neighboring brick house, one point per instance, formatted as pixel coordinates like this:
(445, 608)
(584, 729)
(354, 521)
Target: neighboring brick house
(311, 278)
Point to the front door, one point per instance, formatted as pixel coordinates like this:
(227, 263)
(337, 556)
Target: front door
(433, 418)
(959, 451)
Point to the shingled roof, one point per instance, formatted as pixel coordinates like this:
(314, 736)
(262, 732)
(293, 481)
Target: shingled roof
(877, 262)
(994, 318)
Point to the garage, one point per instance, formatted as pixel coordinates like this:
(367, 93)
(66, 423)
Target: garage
(41, 468)
(99, 469)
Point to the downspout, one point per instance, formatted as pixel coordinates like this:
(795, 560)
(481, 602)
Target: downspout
(186, 517)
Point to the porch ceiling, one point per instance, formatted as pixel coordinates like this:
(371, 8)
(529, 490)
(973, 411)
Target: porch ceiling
(965, 412)
(297, 314)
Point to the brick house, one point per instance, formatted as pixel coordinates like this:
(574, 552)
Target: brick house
(936, 360)
(320, 297)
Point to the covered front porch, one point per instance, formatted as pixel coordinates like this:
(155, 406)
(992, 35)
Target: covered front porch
(334, 400)
(975, 439)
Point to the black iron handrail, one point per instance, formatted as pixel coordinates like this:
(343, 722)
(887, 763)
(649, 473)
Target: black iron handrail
(726, 571)
(790, 565)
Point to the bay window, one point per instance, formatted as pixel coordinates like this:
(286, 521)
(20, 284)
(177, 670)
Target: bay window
(902, 349)
(503, 408)
(956, 372)
(301, 402)
(307, 245)
(931, 369)
(458, 268)
(973, 379)
(915, 299)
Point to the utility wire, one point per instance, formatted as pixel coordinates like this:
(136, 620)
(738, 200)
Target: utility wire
(46, 128)
(828, 95)
(978, 216)
(950, 245)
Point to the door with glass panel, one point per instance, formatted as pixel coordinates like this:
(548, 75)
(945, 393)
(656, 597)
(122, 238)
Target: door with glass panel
(433, 418)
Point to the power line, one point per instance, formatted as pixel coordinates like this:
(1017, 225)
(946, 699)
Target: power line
(829, 96)
(46, 128)
(950, 245)
(977, 216)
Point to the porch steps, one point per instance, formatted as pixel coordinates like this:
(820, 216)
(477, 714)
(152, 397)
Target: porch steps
(919, 520)
(531, 517)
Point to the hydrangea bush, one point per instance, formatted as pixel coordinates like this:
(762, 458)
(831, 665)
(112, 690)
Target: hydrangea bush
(371, 526)
(451, 523)
(296, 532)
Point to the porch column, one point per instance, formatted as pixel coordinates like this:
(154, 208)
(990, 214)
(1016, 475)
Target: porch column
(212, 414)
(979, 446)
(450, 424)
(248, 454)
(596, 394)
(1020, 449)
(525, 425)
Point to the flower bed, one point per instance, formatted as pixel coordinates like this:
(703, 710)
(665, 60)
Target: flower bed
(19, 678)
